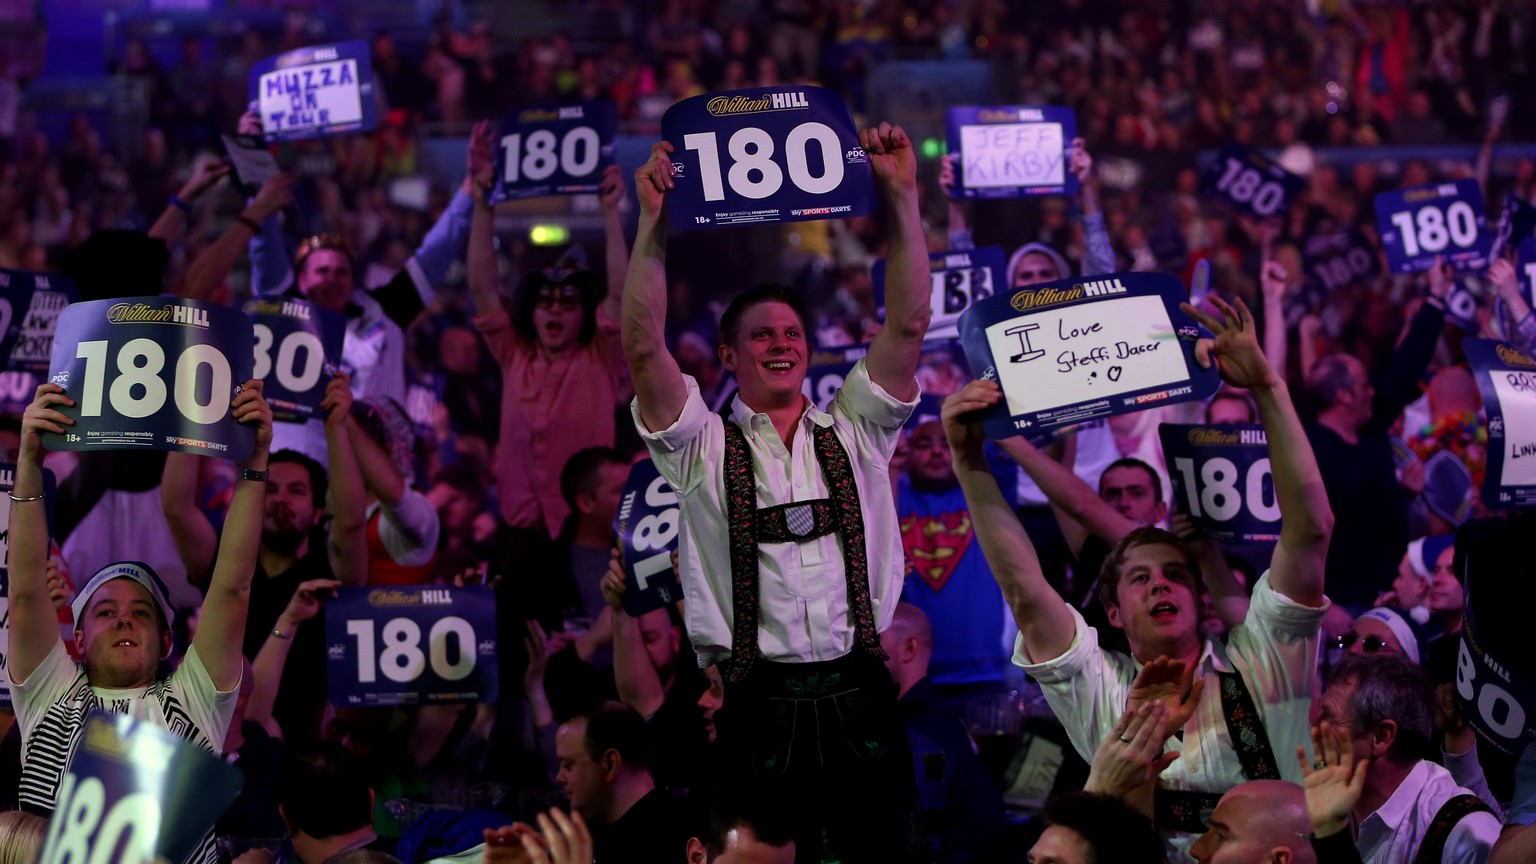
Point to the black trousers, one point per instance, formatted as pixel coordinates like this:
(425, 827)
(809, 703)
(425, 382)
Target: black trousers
(823, 744)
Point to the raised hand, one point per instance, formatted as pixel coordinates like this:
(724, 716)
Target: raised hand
(614, 584)
(1235, 350)
(308, 599)
(1440, 279)
(42, 417)
(58, 586)
(250, 407)
(1332, 784)
(891, 157)
(1170, 683)
(1502, 274)
(338, 399)
(565, 840)
(1273, 279)
(654, 179)
(961, 415)
(1132, 756)
(1080, 161)
(250, 122)
(205, 174)
(274, 195)
(610, 192)
(481, 173)
(947, 173)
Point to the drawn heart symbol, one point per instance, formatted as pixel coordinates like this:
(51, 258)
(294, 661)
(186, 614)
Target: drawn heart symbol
(1114, 373)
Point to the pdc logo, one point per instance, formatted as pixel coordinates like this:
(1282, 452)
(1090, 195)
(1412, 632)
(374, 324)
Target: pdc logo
(856, 155)
(1187, 332)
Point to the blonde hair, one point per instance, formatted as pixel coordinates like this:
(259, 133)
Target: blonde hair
(21, 837)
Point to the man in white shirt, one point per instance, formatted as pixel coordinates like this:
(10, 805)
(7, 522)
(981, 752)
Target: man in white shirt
(1239, 703)
(1385, 703)
(790, 554)
(123, 620)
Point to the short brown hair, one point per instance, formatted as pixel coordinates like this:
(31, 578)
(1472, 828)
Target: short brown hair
(1109, 574)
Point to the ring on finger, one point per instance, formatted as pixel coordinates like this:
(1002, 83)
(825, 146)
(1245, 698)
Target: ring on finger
(1319, 765)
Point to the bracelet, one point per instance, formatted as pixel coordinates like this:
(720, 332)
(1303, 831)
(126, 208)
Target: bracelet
(281, 635)
(181, 205)
(249, 223)
(23, 500)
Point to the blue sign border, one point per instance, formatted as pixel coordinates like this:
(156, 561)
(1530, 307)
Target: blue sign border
(971, 115)
(352, 49)
(1292, 185)
(1488, 357)
(601, 114)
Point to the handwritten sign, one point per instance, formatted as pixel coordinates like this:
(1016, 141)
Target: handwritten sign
(136, 792)
(647, 525)
(33, 347)
(411, 645)
(1078, 349)
(555, 150)
(767, 154)
(1221, 478)
(1507, 378)
(959, 279)
(315, 91)
(1338, 260)
(153, 373)
(1250, 184)
(1011, 151)
(1441, 219)
(298, 344)
(251, 161)
(16, 290)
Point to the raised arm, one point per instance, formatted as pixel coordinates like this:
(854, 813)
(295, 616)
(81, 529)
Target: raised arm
(480, 254)
(615, 247)
(633, 673)
(1043, 618)
(1306, 516)
(267, 668)
(659, 386)
(205, 174)
(894, 352)
(1273, 280)
(959, 228)
(348, 546)
(34, 620)
(210, 267)
(222, 624)
(1068, 494)
(1098, 254)
(193, 534)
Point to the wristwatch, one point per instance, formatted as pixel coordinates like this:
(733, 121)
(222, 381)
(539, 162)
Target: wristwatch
(259, 476)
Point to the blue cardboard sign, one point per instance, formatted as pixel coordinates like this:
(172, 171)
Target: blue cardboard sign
(1497, 700)
(959, 279)
(411, 645)
(1444, 219)
(298, 345)
(555, 150)
(50, 293)
(1525, 267)
(1247, 182)
(1011, 151)
(1221, 478)
(1339, 260)
(1079, 349)
(16, 290)
(765, 154)
(1506, 376)
(153, 373)
(136, 792)
(647, 526)
(941, 370)
(315, 91)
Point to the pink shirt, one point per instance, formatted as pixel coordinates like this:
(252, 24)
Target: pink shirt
(550, 409)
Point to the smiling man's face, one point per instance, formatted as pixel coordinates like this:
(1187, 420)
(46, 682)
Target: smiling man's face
(769, 355)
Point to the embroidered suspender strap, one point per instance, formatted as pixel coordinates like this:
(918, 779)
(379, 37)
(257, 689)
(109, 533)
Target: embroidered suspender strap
(838, 472)
(1183, 810)
(798, 521)
(1246, 729)
(741, 514)
(1432, 847)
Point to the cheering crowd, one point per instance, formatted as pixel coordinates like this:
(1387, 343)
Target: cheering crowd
(898, 641)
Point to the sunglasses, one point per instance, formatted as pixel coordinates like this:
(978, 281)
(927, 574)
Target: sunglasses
(1371, 644)
(563, 296)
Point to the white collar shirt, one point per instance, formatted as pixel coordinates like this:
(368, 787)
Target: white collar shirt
(1393, 833)
(1275, 651)
(803, 607)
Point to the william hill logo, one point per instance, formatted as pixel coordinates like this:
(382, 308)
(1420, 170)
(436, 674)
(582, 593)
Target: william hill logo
(143, 313)
(550, 115)
(722, 105)
(1034, 299)
(1008, 115)
(1514, 357)
(1227, 437)
(423, 597)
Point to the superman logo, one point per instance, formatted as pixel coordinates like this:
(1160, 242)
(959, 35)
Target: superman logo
(935, 544)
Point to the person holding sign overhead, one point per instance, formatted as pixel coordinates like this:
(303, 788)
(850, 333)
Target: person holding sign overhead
(123, 621)
(789, 550)
(1239, 704)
